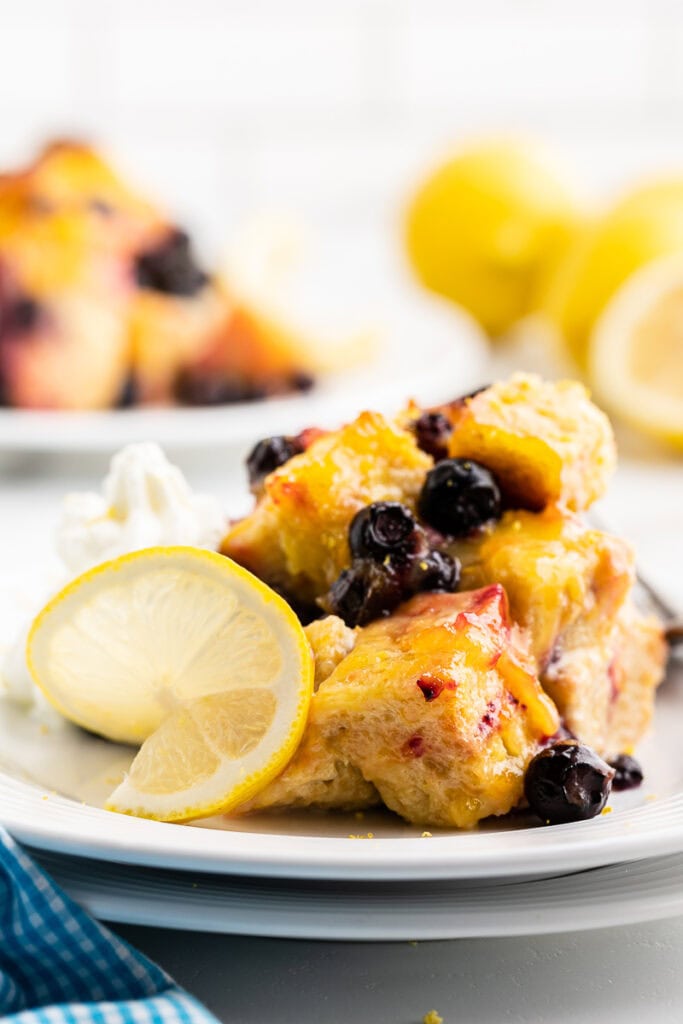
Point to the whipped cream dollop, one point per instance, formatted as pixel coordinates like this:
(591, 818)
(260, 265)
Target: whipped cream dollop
(145, 501)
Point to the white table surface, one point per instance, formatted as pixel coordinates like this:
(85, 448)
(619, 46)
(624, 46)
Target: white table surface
(613, 976)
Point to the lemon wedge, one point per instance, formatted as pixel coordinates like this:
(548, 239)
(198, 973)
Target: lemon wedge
(185, 652)
(636, 351)
(644, 225)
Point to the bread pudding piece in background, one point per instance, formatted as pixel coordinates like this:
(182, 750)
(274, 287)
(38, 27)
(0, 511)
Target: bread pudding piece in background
(247, 356)
(71, 237)
(102, 302)
(296, 538)
(63, 344)
(546, 442)
(168, 332)
(437, 707)
(69, 189)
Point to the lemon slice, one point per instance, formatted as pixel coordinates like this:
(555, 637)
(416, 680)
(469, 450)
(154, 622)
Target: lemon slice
(636, 352)
(182, 650)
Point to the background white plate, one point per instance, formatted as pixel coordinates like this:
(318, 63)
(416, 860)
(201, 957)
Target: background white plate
(55, 780)
(621, 894)
(428, 351)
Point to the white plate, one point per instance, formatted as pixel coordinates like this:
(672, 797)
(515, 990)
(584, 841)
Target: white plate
(54, 781)
(431, 352)
(622, 894)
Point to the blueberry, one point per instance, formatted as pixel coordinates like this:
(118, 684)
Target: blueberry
(567, 782)
(129, 394)
(170, 267)
(304, 611)
(381, 529)
(101, 207)
(458, 496)
(436, 571)
(21, 316)
(302, 381)
(432, 431)
(364, 592)
(627, 772)
(268, 454)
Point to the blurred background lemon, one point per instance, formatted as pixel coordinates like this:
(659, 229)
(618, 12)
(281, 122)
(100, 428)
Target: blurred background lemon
(487, 228)
(643, 225)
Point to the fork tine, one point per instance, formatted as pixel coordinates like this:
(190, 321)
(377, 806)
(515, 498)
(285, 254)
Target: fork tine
(674, 634)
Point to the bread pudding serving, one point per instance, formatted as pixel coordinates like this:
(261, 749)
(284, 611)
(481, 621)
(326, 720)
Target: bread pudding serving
(416, 613)
(476, 641)
(103, 303)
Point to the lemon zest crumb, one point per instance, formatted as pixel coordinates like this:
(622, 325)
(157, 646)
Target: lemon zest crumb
(432, 1017)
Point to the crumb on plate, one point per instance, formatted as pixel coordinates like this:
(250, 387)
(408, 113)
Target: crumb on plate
(432, 1017)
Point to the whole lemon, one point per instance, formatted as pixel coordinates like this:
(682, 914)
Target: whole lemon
(488, 227)
(645, 224)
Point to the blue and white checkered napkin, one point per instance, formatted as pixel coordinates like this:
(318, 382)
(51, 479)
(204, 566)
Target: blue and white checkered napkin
(59, 966)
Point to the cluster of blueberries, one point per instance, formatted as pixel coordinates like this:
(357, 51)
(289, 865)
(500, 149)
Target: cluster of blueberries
(395, 556)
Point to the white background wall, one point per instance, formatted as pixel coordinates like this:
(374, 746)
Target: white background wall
(331, 108)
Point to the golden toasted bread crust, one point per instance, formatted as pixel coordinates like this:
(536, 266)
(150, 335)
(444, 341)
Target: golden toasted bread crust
(570, 587)
(296, 537)
(546, 441)
(437, 707)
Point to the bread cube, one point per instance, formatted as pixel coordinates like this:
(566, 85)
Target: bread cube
(296, 538)
(544, 440)
(437, 708)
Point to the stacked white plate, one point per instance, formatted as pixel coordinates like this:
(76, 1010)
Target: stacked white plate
(335, 877)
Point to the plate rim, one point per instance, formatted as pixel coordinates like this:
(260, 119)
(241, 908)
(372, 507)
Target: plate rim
(618, 838)
(605, 897)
